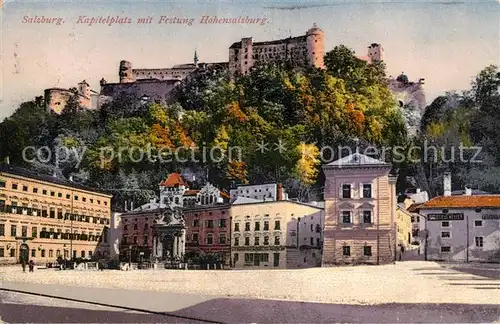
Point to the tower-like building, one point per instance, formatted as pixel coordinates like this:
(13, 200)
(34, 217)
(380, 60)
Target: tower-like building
(376, 52)
(315, 46)
(360, 207)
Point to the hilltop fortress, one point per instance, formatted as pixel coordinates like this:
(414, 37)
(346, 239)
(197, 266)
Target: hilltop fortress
(156, 84)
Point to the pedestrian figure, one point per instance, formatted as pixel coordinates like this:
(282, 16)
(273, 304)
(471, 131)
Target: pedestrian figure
(32, 265)
(24, 265)
(401, 253)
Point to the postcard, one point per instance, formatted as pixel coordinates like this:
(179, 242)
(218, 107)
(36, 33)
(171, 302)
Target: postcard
(249, 161)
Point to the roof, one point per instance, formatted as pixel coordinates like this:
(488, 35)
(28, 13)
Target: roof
(414, 208)
(173, 180)
(247, 201)
(191, 192)
(273, 42)
(13, 170)
(473, 192)
(357, 160)
(478, 201)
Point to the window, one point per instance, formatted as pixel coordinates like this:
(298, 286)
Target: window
(90, 254)
(445, 234)
(236, 227)
(277, 225)
(195, 237)
(68, 196)
(2, 184)
(346, 191)
(247, 226)
(345, 217)
(236, 241)
(276, 240)
(2, 229)
(235, 257)
(24, 231)
(266, 225)
(145, 240)
(479, 241)
(318, 242)
(13, 253)
(2, 251)
(58, 253)
(367, 250)
(367, 190)
(312, 241)
(42, 254)
(257, 240)
(346, 250)
(82, 253)
(257, 226)
(44, 192)
(266, 240)
(478, 223)
(13, 230)
(59, 195)
(52, 193)
(14, 186)
(367, 216)
(76, 197)
(222, 238)
(33, 253)
(210, 223)
(247, 240)
(51, 253)
(196, 223)
(84, 199)
(445, 224)
(25, 188)
(222, 223)
(445, 249)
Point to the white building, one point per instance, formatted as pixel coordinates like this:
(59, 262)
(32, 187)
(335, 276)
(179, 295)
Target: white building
(463, 228)
(268, 192)
(276, 234)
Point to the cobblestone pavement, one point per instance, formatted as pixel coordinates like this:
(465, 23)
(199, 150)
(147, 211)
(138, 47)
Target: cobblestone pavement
(406, 292)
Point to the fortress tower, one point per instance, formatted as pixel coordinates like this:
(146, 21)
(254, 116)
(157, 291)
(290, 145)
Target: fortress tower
(315, 46)
(84, 89)
(125, 73)
(375, 52)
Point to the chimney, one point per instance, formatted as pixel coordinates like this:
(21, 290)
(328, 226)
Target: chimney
(468, 191)
(279, 192)
(71, 178)
(7, 160)
(418, 190)
(125, 206)
(131, 205)
(447, 184)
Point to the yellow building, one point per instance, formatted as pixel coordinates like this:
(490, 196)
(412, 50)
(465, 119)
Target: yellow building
(404, 224)
(275, 234)
(52, 216)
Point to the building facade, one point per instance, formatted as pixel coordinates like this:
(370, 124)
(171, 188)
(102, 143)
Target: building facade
(462, 228)
(302, 50)
(360, 207)
(404, 225)
(57, 98)
(275, 234)
(269, 191)
(50, 218)
(209, 231)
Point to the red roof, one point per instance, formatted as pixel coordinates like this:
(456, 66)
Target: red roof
(477, 201)
(191, 192)
(173, 180)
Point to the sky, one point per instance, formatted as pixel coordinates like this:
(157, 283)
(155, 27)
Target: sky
(445, 42)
